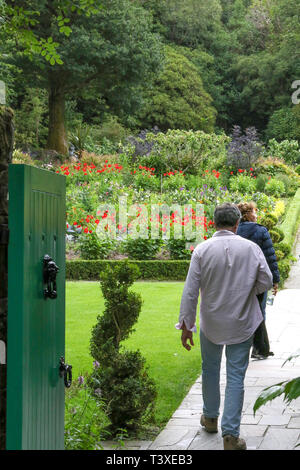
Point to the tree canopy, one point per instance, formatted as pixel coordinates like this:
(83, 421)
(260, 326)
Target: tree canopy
(188, 64)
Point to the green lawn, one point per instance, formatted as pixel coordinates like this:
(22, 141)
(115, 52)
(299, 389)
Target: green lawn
(172, 367)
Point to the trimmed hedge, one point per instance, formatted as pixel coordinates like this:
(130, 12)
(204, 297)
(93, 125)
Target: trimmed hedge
(158, 270)
(291, 220)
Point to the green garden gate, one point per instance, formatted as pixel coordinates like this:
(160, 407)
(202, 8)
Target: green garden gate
(36, 374)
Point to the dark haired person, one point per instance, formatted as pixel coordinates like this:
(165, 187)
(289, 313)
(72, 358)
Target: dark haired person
(251, 230)
(230, 271)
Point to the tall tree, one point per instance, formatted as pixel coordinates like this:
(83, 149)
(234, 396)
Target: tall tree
(177, 99)
(112, 49)
(266, 75)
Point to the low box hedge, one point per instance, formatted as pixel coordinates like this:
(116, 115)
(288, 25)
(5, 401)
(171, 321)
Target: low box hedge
(158, 270)
(291, 221)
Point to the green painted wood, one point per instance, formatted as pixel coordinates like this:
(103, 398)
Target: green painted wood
(36, 327)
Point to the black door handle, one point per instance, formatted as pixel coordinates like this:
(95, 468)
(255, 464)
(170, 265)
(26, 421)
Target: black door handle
(50, 271)
(65, 371)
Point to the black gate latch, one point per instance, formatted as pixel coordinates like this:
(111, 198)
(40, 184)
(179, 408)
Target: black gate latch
(65, 371)
(50, 271)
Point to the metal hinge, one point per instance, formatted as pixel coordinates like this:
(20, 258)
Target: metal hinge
(4, 234)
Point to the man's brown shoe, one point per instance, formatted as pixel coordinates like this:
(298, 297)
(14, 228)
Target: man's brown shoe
(234, 443)
(210, 424)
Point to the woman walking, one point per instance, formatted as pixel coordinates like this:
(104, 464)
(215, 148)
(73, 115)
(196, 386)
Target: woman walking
(251, 230)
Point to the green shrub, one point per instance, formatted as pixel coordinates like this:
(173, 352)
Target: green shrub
(279, 232)
(268, 221)
(283, 247)
(177, 249)
(279, 255)
(242, 184)
(291, 220)
(297, 169)
(93, 247)
(287, 150)
(188, 151)
(85, 419)
(284, 269)
(171, 182)
(121, 377)
(143, 180)
(275, 236)
(290, 186)
(261, 181)
(274, 187)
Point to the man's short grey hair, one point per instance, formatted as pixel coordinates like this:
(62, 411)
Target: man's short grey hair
(226, 215)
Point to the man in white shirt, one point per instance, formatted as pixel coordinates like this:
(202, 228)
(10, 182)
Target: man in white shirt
(230, 271)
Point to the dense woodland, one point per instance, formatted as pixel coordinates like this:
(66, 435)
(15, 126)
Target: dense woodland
(106, 69)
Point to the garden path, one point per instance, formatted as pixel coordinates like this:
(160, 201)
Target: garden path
(276, 425)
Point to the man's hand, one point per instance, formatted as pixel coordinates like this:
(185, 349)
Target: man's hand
(275, 289)
(187, 335)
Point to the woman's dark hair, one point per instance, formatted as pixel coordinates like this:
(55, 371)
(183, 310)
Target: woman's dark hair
(226, 215)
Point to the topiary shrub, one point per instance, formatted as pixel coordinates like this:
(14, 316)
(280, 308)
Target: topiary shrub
(121, 379)
(269, 221)
(284, 247)
(275, 236)
(279, 255)
(279, 232)
(284, 270)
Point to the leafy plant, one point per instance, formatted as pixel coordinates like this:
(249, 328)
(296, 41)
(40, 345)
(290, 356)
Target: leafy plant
(268, 221)
(279, 255)
(242, 184)
(178, 249)
(287, 150)
(122, 378)
(243, 150)
(93, 247)
(284, 247)
(79, 137)
(275, 236)
(289, 388)
(275, 187)
(85, 419)
(188, 151)
(279, 232)
(142, 249)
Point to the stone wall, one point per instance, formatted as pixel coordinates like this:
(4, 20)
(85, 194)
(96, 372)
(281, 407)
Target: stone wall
(6, 147)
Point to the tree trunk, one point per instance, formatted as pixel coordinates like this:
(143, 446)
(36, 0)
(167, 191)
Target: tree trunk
(57, 135)
(6, 148)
